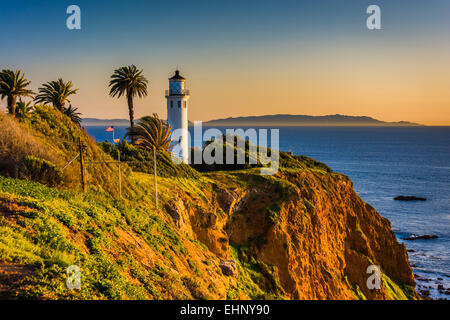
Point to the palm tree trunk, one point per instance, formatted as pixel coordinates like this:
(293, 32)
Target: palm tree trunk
(12, 101)
(131, 112)
(61, 107)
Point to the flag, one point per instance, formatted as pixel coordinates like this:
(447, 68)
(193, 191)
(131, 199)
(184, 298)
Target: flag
(110, 129)
(116, 140)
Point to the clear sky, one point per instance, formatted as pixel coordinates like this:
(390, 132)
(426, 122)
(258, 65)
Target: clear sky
(243, 57)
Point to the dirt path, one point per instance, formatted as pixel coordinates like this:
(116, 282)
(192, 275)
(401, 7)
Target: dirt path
(10, 277)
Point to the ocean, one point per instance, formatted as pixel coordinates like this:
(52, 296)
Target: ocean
(384, 162)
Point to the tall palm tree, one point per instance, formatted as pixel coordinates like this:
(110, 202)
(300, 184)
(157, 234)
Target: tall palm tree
(56, 93)
(151, 132)
(23, 108)
(72, 113)
(13, 84)
(128, 81)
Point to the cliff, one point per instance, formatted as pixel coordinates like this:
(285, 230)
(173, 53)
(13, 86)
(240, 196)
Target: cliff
(301, 234)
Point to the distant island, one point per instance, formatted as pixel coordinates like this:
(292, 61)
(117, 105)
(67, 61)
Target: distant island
(288, 120)
(283, 120)
(90, 122)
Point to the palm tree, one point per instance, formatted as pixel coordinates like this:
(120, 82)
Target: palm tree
(13, 84)
(23, 108)
(128, 81)
(72, 113)
(151, 132)
(56, 93)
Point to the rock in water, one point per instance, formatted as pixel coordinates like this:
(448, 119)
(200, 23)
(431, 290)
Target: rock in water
(425, 293)
(409, 198)
(424, 237)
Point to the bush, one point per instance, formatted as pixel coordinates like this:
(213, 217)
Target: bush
(42, 171)
(165, 167)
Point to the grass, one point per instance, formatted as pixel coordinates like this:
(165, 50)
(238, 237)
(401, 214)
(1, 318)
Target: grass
(51, 229)
(255, 279)
(18, 143)
(397, 290)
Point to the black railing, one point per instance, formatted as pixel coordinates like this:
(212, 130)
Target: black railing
(183, 92)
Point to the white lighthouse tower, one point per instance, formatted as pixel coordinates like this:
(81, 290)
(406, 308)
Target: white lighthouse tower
(177, 106)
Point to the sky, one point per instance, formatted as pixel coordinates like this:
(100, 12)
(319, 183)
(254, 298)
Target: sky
(240, 58)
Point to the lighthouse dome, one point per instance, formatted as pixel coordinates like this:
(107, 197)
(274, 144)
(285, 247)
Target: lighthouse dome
(177, 77)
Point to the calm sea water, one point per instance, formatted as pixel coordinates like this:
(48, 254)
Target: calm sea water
(385, 162)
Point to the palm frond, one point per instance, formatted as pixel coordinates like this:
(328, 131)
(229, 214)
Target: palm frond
(56, 93)
(72, 113)
(23, 109)
(128, 81)
(151, 132)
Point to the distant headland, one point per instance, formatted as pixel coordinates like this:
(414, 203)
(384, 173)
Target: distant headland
(288, 120)
(104, 122)
(283, 120)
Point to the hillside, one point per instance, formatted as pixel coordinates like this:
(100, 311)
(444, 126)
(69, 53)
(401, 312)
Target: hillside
(304, 120)
(301, 234)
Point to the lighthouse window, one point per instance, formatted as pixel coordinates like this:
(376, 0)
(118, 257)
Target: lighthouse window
(179, 104)
(171, 104)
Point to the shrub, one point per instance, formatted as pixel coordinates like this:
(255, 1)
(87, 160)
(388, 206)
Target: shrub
(42, 171)
(143, 160)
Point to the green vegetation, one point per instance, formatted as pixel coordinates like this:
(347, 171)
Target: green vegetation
(283, 188)
(42, 171)
(398, 290)
(50, 229)
(194, 267)
(255, 279)
(238, 146)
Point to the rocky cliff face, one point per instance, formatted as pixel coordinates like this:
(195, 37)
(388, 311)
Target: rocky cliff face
(302, 234)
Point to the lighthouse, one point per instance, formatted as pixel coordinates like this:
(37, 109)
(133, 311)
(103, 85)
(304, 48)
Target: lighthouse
(177, 112)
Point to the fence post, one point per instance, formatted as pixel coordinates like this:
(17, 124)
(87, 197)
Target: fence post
(154, 172)
(82, 171)
(120, 179)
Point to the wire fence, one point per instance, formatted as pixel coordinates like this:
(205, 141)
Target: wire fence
(64, 141)
(83, 163)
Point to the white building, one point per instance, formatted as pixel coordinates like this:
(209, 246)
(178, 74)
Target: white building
(177, 111)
